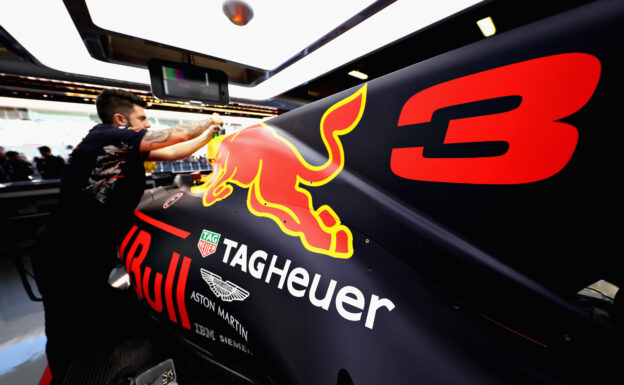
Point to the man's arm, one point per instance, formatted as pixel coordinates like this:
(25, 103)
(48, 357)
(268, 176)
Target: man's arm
(183, 149)
(155, 139)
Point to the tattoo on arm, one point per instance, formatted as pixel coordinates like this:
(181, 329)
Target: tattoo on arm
(186, 130)
(157, 136)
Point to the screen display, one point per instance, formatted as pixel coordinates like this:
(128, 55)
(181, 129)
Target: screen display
(194, 84)
(186, 82)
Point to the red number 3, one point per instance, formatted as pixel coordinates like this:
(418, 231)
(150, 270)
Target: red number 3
(551, 88)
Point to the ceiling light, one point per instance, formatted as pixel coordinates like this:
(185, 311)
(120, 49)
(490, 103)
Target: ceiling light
(238, 12)
(487, 26)
(358, 74)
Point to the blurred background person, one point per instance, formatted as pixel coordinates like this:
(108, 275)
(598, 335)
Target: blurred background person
(4, 176)
(49, 166)
(17, 168)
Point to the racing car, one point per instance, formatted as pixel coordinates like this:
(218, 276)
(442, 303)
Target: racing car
(444, 224)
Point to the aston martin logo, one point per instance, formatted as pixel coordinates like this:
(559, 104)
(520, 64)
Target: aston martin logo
(227, 291)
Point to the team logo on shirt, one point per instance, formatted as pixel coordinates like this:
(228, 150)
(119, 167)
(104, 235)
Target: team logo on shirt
(208, 242)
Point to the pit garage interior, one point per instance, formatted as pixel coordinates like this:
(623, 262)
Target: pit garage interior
(278, 58)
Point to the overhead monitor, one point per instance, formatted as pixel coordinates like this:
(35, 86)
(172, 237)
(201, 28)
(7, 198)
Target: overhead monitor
(188, 83)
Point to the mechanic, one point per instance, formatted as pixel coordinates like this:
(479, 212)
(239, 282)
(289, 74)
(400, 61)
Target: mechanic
(75, 250)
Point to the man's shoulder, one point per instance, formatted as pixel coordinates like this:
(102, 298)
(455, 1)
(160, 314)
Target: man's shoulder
(58, 159)
(104, 128)
(98, 130)
(116, 130)
(113, 134)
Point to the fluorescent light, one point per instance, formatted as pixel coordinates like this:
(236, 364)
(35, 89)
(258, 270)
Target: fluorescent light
(358, 74)
(56, 32)
(397, 20)
(487, 26)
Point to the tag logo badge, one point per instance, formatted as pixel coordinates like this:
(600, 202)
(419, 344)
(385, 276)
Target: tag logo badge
(208, 243)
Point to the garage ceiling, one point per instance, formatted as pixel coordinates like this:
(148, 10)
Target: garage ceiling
(290, 53)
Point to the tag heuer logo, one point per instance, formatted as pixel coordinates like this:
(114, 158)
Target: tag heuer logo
(208, 242)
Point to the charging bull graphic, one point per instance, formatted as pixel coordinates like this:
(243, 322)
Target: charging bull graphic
(273, 170)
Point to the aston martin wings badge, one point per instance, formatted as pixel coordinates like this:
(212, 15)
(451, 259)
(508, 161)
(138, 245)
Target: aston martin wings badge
(227, 290)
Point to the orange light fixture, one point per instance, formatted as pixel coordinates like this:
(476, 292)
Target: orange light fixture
(238, 12)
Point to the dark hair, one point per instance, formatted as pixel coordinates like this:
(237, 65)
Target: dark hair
(112, 101)
(44, 148)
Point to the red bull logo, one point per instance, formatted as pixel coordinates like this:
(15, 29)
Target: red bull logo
(274, 172)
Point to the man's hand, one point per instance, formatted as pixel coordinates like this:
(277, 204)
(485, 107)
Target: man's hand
(217, 123)
(216, 119)
(210, 133)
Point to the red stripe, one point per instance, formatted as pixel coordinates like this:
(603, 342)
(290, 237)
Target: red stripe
(173, 265)
(46, 378)
(122, 249)
(162, 225)
(186, 264)
(514, 331)
(155, 303)
(133, 265)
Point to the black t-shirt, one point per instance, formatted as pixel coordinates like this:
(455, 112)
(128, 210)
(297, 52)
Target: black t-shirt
(101, 184)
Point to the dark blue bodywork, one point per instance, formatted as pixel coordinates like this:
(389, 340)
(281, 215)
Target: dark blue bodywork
(449, 283)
